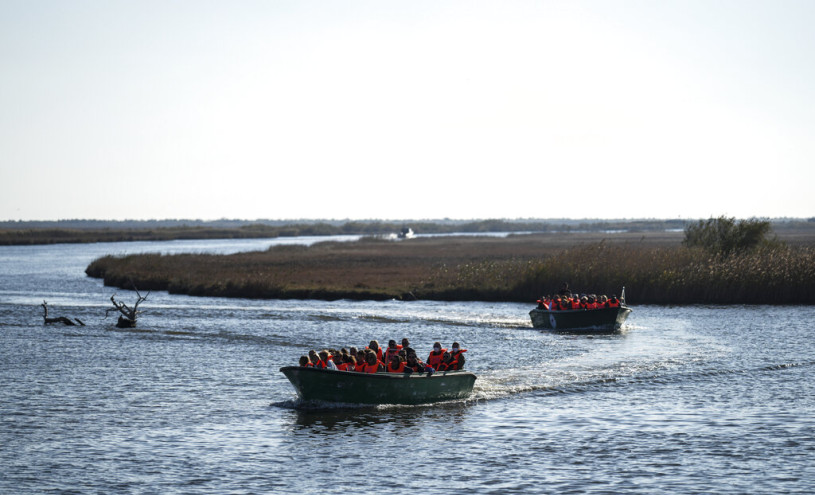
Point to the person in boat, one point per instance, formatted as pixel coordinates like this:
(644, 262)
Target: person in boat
(348, 363)
(359, 364)
(396, 364)
(446, 363)
(325, 361)
(304, 362)
(405, 343)
(414, 365)
(436, 355)
(456, 357)
(613, 302)
(564, 290)
(374, 346)
(391, 351)
(372, 364)
(336, 356)
(313, 357)
(543, 303)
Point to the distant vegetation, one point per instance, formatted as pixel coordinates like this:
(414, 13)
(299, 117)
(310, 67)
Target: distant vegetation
(724, 236)
(79, 231)
(82, 231)
(656, 267)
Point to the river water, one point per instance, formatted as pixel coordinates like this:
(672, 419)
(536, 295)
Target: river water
(684, 400)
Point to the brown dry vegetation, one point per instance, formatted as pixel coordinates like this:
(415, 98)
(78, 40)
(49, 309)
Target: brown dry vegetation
(654, 267)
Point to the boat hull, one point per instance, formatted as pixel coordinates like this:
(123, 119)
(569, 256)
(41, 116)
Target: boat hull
(604, 319)
(378, 388)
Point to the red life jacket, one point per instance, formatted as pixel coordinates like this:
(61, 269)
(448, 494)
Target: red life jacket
(321, 364)
(613, 303)
(446, 366)
(591, 305)
(399, 369)
(390, 353)
(371, 368)
(360, 367)
(435, 359)
(454, 365)
(419, 366)
(575, 304)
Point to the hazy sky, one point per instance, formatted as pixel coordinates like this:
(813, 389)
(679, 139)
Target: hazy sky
(413, 109)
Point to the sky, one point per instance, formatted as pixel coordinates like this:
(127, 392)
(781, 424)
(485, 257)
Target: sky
(406, 110)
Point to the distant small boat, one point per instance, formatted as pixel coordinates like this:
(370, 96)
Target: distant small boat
(378, 388)
(406, 233)
(602, 320)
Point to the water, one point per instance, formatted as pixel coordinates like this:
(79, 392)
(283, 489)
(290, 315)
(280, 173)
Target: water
(690, 400)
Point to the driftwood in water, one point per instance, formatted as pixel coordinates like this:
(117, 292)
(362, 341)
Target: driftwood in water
(128, 316)
(61, 319)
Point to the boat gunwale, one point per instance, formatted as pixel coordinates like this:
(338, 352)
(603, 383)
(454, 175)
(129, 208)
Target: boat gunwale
(379, 375)
(578, 310)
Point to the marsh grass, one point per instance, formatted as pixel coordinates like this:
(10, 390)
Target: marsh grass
(655, 269)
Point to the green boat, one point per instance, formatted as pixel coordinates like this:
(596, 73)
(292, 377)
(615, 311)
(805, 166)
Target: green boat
(314, 384)
(588, 320)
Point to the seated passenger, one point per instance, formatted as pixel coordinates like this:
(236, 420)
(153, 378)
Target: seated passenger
(374, 346)
(348, 363)
(359, 366)
(446, 363)
(435, 357)
(304, 362)
(396, 365)
(325, 361)
(313, 357)
(413, 364)
(613, 302)
(456, 357)
(392, 350)
(372, 365)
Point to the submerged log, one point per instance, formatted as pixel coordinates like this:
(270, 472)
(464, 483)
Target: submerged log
(60, 319)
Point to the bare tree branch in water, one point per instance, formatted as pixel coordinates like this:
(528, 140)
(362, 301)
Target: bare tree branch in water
(127, 318)
(61, 319)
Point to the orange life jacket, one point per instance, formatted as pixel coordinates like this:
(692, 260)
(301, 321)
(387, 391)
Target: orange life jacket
(360, 367)
(399, 369)
(321, 364)
(435, 359)
(371, 368)
(390, 353)
(591, 305)
(449, 366)
(575, 304)
(613, 303)
(454, 364)
(419, 366)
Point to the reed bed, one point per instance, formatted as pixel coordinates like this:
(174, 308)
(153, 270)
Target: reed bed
(655, 269)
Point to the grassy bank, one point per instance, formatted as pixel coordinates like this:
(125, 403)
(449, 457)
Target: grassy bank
(654, 267)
